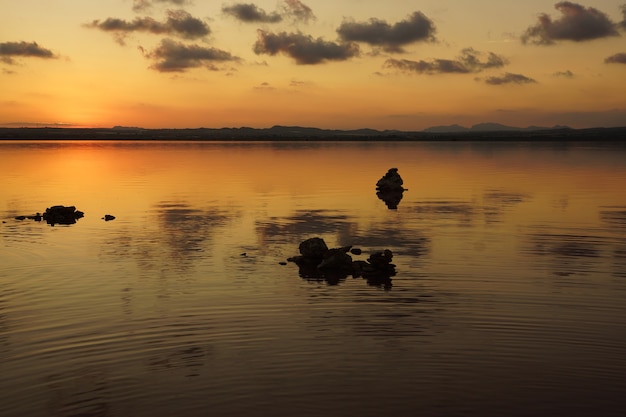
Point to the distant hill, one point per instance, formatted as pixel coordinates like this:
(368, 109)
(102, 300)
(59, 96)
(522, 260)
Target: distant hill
(479, 132)
(488, 127)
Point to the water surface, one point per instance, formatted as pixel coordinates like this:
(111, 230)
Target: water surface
(508, 298)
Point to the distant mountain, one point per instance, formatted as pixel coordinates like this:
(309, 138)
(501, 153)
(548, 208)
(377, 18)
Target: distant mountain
(447, 129)
(488, 127)
(479, 132)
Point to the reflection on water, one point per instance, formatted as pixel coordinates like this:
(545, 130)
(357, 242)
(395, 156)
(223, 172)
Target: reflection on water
(507, 297)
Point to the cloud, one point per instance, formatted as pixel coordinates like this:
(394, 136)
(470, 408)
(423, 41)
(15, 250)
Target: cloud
(9, 50)
(564, 74)
(298, 11)
(376, 32)
(303, 48)
(616, 59)
(251, 13)
(509, 78)
(174, 56)
(144, 5)
(577, 23)
(179, 23)
(468, 62)
(622, 24)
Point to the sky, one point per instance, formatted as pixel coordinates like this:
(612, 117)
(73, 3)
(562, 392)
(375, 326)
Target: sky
(348, 64)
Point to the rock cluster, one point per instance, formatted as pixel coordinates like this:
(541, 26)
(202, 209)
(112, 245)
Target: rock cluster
(317, 261)
(62, 215)
(389, 188)
(56, 215)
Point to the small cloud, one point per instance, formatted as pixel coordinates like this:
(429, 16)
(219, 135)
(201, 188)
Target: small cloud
(619, 58)
(303, 48)
(145, 5)
(179, 23)
(468, 62)
(10, 50)
(417, 27)
(265, 86)
(577, 23)
(251, 13)
(298, 11)
(509, 78)
(564, 74)
(296, 83)
(174, 56)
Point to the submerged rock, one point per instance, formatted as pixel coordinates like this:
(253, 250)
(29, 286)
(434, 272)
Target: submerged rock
(390, 181)
(389, 188)
(108, 217)
(62, 215)
(313, 248)
(317, 262)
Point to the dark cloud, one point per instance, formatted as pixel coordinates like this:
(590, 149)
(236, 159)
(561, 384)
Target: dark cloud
(564, 74)
(178, 22)
(251, 13)
(509, 78)
(616, 59)
(577, 23)
(298, 10)
(304, 48)
(468, 62)
(9, 50)
(145, 5)
(417, 27)
(174, 56)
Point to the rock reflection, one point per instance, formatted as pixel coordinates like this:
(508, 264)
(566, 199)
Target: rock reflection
(391, 198)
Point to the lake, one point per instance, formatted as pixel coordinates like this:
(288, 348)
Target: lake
(508, 298)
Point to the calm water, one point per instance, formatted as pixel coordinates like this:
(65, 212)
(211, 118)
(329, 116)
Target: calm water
(508, 299)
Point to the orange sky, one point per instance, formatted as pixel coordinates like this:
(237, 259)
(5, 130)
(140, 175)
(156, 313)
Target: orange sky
(329, 64)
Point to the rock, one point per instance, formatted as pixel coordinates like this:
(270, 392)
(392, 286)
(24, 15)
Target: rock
(314, 248)
(108, 217)
(390, 181)
(62, 215)
(37, 217)
(336, 260)
(317, 263)
(389, 188)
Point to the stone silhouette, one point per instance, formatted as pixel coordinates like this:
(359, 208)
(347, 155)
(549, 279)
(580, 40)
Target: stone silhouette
(389, 188)
(316, 261)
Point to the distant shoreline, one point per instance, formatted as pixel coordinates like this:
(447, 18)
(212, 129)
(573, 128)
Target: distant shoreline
(284, 133)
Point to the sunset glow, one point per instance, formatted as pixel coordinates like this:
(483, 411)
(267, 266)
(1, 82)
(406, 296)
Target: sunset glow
(350, 64)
